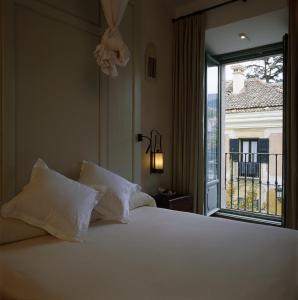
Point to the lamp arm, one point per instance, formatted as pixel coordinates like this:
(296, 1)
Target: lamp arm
(140, 139)
(160, 144)
(147, 138)
(155, 139)
(149, 147)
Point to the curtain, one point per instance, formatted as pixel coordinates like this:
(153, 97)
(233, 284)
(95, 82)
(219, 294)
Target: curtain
(291, 111)
(188, 108)
(112, 51)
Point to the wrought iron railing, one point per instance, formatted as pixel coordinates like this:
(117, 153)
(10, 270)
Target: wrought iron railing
(254, 183)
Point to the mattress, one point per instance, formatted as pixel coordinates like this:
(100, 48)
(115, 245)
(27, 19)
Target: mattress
(159, 254)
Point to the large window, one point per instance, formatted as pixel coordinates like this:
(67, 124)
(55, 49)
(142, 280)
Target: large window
(251, 105)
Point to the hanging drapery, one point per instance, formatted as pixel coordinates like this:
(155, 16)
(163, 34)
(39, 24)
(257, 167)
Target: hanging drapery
(291, 111)
(188, 108)
(112, 51)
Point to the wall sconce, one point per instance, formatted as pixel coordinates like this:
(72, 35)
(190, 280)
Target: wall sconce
(156, 154)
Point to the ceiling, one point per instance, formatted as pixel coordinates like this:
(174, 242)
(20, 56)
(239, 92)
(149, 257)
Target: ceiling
(261, 30)
(201, 3)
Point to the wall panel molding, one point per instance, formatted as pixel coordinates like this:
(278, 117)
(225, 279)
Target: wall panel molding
(119, 99)
(60, 15)
(71, 13)
(9, 130)
(8, 115)
(118, 108)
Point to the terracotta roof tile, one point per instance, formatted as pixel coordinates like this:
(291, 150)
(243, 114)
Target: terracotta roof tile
(255, 96)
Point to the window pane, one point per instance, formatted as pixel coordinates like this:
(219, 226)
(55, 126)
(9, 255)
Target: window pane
(212, 122)
(254, 150)
(245, 150)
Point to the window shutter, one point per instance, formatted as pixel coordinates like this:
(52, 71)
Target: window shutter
(263, 147)
(234, 147)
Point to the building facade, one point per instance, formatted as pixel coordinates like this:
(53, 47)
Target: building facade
(253, 140)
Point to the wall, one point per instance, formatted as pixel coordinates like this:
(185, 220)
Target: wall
(58, 105)
(130, 104)
(50, 88)
(232, 12)
(117, 102)
(156, 102)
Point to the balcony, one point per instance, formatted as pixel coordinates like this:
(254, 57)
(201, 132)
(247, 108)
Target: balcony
(253, 185)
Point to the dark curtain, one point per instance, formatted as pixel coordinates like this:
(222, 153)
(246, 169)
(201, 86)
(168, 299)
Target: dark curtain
(188, 108)
(291, 111)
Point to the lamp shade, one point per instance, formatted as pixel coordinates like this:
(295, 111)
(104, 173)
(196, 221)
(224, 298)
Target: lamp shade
(157, 163)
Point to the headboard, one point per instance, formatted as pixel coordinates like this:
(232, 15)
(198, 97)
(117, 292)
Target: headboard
(55, 104)
(50, 89)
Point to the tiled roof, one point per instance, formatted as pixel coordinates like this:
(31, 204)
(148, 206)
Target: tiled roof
(255, 96)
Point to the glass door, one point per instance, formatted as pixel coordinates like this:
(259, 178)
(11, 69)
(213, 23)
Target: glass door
(212, 136)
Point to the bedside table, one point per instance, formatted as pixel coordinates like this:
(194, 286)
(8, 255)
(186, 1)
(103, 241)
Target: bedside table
(175, 202)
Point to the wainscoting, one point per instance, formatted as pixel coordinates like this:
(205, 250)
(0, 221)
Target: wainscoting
(56, 104)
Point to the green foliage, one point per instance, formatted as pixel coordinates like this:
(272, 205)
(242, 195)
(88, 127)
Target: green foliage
(244, 204)
(274, 207)
(271, 70)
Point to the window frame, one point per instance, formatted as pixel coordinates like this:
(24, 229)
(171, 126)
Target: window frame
(250, 140)
(240, 56)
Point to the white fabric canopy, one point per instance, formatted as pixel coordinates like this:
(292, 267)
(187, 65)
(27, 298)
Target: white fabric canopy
(112, 51)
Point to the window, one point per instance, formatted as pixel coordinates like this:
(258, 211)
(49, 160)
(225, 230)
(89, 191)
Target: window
(252, 101)
(249, 154)
(249, 150)
(249, 165)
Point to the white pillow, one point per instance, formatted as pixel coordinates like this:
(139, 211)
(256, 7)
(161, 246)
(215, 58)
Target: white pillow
(141, 199)
(54, 203)
(109, 207)
(13, 230)
(114, 205)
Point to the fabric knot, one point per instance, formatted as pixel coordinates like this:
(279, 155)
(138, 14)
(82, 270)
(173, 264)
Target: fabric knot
(112, 52)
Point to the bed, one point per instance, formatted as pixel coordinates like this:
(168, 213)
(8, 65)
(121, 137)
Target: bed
(159, 254)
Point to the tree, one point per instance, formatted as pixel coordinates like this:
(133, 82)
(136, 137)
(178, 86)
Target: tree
(270, 69)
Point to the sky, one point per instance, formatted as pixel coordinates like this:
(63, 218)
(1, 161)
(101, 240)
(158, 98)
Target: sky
(212, 74)
(229, 72)
(212, 80)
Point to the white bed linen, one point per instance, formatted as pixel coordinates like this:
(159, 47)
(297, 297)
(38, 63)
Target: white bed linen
(159, 254)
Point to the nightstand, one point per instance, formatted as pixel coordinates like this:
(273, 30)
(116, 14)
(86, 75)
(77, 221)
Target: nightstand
(175, 202)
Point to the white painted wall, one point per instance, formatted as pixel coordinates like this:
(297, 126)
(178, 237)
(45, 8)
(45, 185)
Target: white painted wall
(117, 107)
(156, 101)
(49, 90)
(63, 109)
(135, 105)
(130, 104)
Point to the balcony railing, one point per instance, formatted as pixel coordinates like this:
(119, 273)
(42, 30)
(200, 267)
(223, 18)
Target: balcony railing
(254, 184)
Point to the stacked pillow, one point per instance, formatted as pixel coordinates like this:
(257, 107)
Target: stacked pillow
(141, 199)
(63, 207)
(115, 191)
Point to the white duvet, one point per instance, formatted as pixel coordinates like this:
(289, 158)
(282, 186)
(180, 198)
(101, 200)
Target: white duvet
(159, 255)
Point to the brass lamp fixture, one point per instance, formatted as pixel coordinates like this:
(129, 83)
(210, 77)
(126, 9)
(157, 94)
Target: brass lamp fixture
(156, 153)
